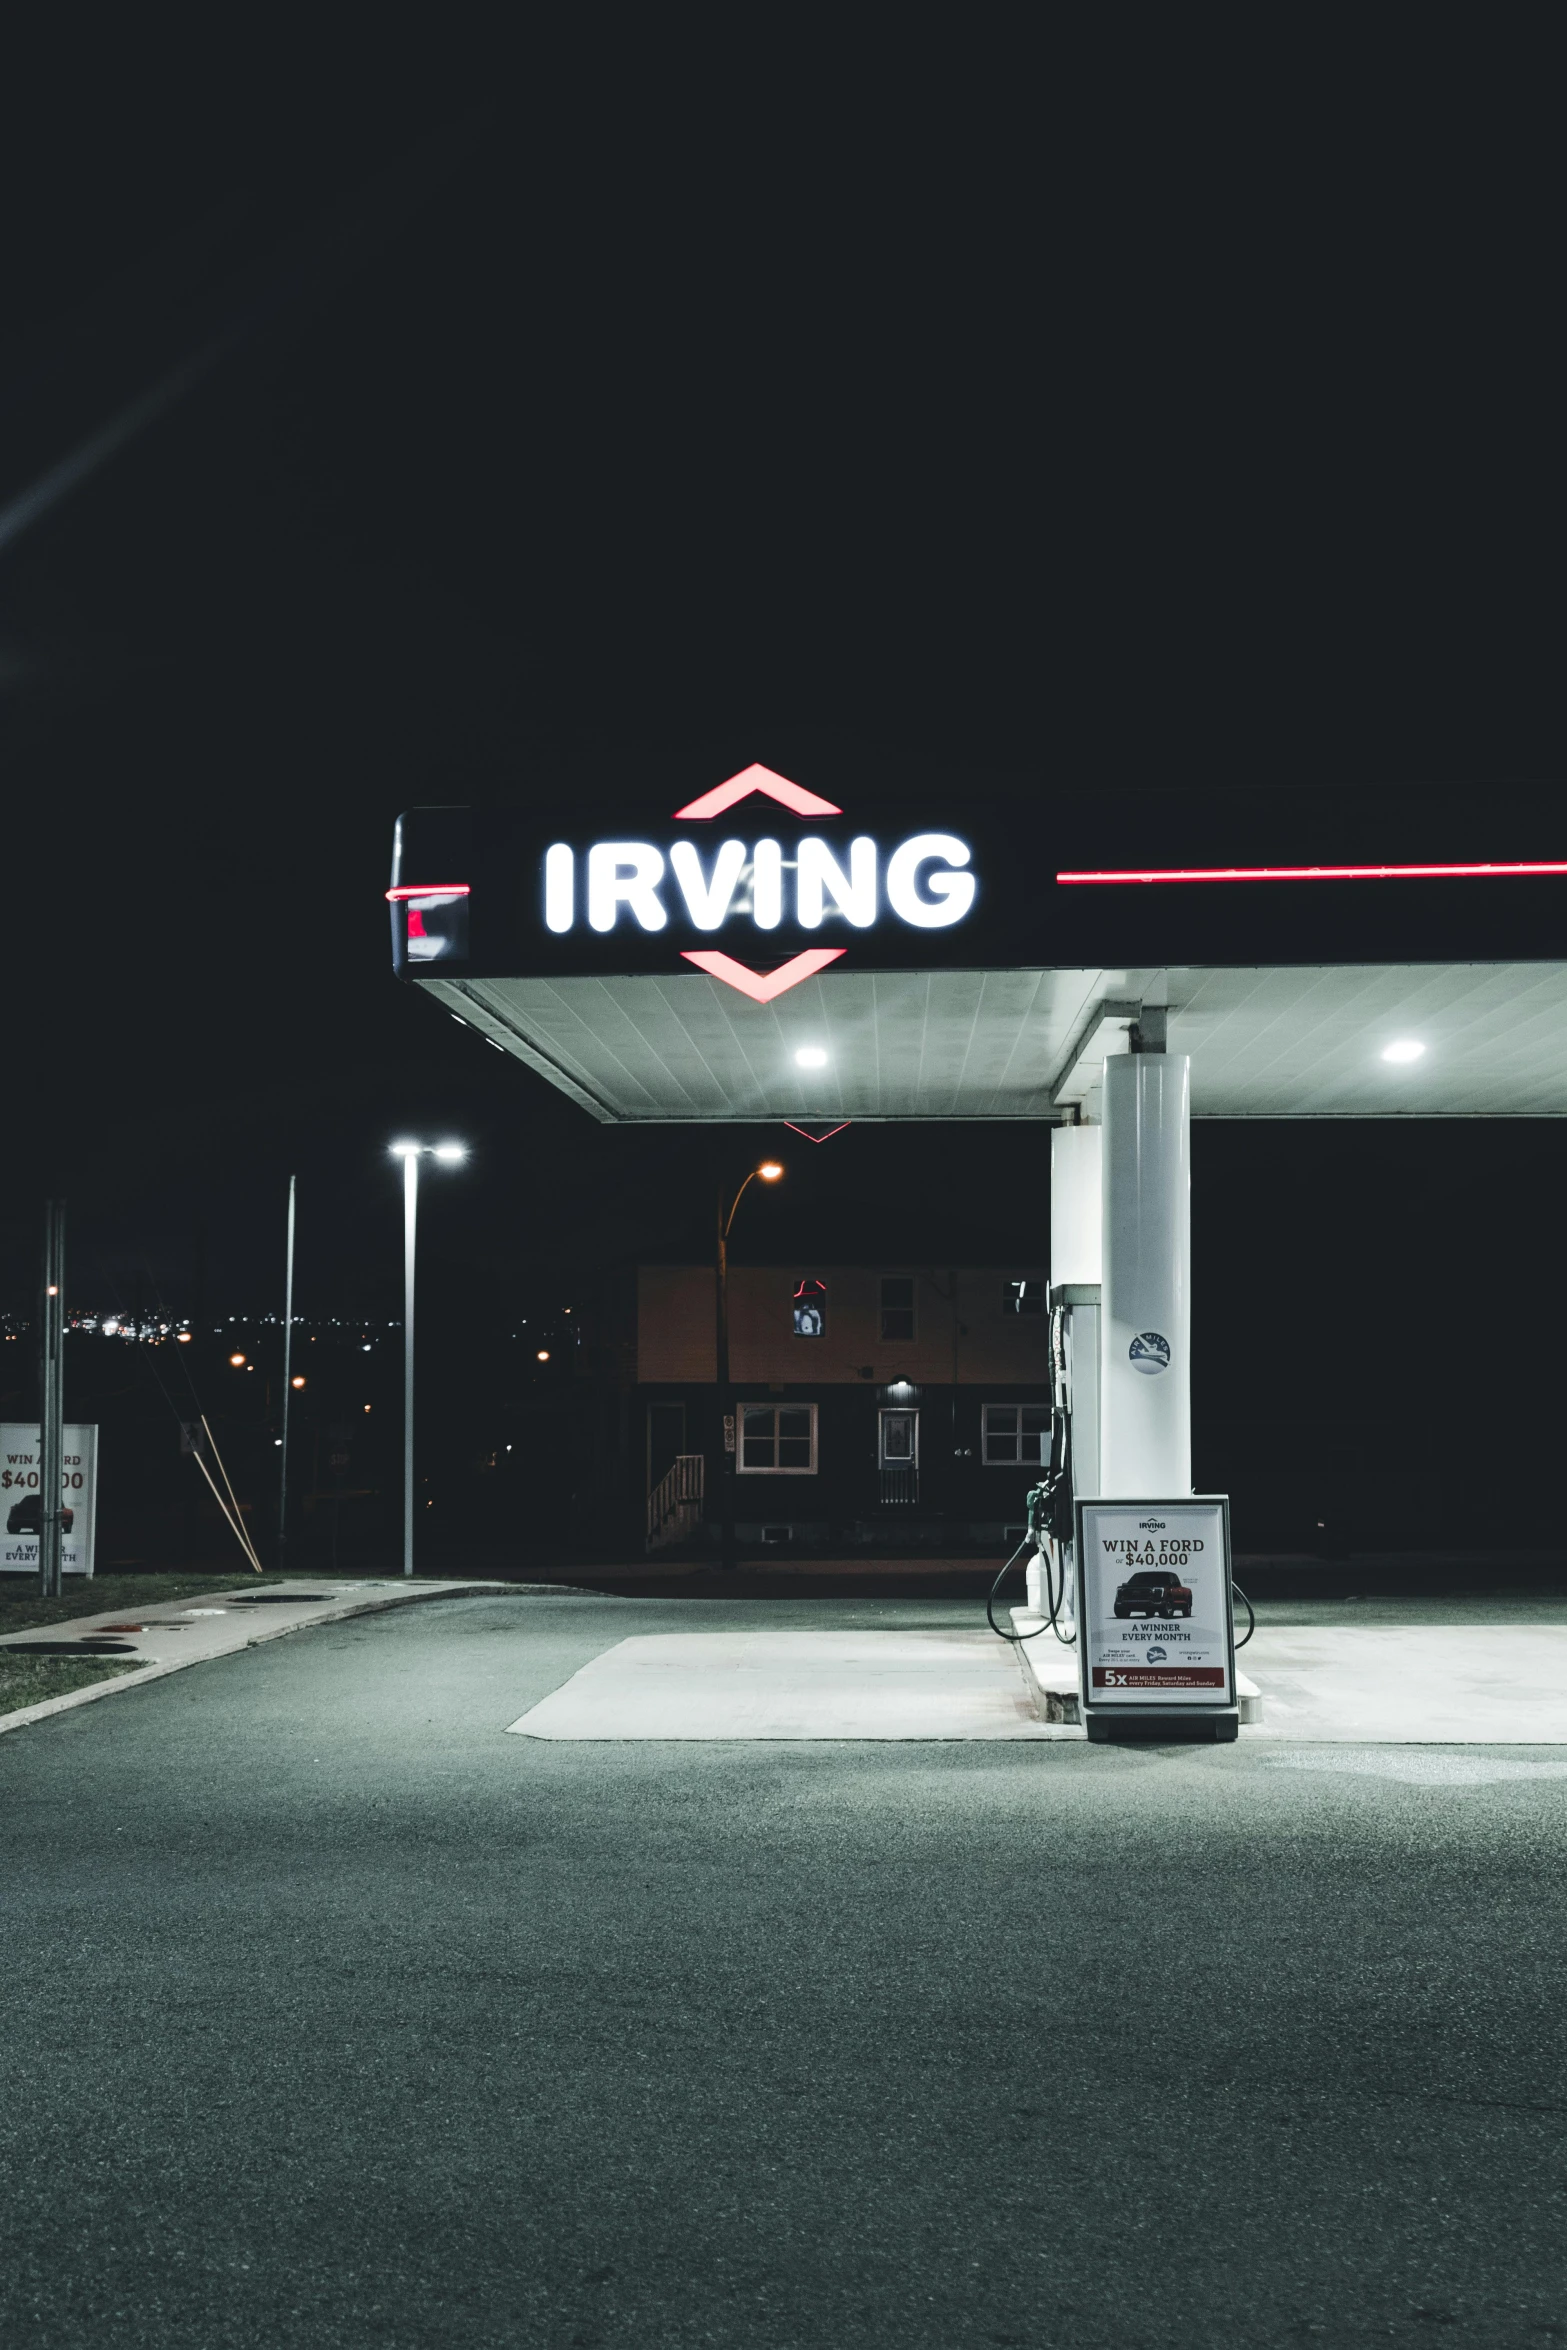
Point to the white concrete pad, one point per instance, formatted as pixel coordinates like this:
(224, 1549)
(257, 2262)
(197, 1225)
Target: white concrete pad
(779, 1684)
(1462, 1685)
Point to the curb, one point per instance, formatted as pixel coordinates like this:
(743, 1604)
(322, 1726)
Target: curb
(381, 1605)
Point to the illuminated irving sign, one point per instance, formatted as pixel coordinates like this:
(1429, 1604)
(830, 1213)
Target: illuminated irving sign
(755, 891)
(924, 882)
(756, 885)
(760, 882)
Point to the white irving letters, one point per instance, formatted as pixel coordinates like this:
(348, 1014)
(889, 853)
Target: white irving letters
(707, 902)
(560, 886)
(950, 894)
(820, 874)
(625, 872)
(767, 885)
(925, 883)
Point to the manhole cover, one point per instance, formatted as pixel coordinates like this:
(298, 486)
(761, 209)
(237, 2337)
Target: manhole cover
(280, 1599)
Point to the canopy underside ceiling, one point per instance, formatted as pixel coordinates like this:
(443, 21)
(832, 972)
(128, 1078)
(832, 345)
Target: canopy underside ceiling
(1273, 1042)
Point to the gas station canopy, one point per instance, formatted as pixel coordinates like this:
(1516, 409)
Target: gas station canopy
(763, 952)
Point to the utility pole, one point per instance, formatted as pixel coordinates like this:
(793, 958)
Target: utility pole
(288, 1366)
(449, 1153)
(728, 1435)
(410, 1229)
(51, 1403)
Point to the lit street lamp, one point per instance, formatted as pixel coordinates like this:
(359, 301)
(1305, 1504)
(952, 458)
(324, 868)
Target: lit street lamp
(450, 1154)
(729, 1431)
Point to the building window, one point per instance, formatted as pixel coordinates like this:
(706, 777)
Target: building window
(1017, 1432)
(1022, 1297)
(897, 1305)
(778, 1439)
(810, 1309)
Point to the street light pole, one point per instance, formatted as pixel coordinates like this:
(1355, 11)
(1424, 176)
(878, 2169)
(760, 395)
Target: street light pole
(288, 1365)
(411, 1153)
(51, 1404)
(728, 1433)
(728, 1416)
(410, 1223)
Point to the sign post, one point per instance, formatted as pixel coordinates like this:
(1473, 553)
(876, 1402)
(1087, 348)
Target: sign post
(51, 1397)
(1156, 1635)
(22, 1497)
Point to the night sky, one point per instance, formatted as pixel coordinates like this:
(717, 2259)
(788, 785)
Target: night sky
(549, 407)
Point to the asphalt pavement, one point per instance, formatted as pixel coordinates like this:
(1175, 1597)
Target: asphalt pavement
(335, 2015)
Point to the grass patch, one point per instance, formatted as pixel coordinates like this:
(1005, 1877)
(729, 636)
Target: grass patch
(30, 1680)
(125, 1594)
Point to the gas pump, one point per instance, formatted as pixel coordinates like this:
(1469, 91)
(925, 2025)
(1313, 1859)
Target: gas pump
(1074, 1434)
(1071, 1471)
(1128, 1564)
(1140, 1589)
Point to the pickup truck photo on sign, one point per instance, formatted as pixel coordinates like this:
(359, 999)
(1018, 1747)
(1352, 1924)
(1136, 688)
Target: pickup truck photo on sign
(1154, 1602)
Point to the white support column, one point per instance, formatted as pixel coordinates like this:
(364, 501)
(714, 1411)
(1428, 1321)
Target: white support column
(1145, 1433)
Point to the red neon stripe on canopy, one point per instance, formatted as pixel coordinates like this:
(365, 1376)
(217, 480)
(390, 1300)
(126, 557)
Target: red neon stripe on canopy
(1316, 872)
(430, 889)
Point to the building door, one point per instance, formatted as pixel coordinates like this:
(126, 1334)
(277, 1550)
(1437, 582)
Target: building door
(666, 1440)
(899, 1451)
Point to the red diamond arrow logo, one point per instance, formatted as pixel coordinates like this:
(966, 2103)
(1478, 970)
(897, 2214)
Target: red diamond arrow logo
(761, 986)
(759, 779)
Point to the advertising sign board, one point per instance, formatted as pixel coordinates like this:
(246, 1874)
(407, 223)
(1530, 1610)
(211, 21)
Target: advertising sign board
(1155, 1629)
(21, 1502)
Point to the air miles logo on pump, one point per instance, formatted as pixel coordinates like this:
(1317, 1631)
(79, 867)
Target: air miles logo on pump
(1149, 1352)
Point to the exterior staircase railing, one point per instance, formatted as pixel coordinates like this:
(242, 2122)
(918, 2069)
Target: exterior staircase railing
(674, 1507)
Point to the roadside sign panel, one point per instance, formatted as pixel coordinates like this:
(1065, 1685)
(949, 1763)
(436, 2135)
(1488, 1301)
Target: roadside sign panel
(1153, 1603)
(21, 1501)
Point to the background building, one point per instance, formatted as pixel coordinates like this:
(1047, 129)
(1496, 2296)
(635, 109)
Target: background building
(894, 1406)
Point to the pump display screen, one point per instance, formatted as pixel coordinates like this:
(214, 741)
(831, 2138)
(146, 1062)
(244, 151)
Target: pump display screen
(1154, 1620)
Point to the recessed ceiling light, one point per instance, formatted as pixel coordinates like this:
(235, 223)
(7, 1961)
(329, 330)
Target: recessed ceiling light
(811, 1056)
(1404, 1048)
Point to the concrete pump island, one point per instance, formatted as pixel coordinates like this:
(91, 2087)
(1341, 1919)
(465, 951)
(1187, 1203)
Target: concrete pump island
(706, 948)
